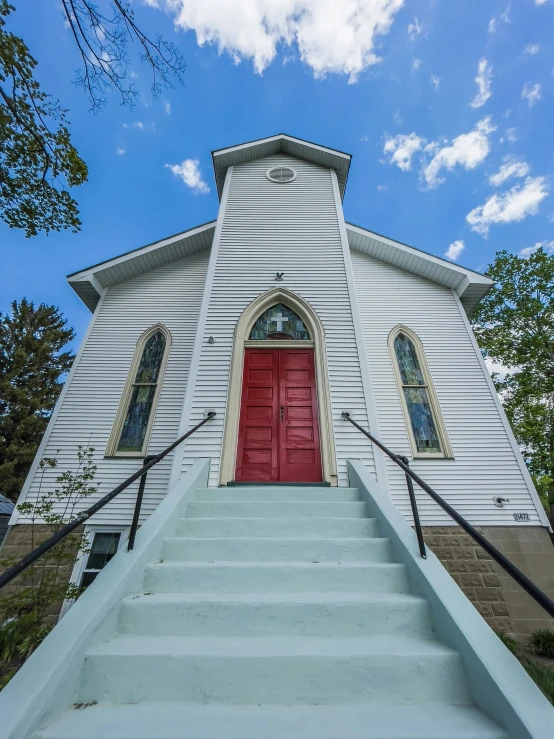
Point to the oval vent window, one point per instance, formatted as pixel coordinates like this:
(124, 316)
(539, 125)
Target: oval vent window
(281, 174)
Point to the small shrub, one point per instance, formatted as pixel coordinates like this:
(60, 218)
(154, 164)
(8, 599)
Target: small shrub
(542, 643)
(508, 641)
(543, 677)
(25, 615)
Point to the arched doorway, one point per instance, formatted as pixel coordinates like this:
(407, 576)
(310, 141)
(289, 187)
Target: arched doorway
(279, 423)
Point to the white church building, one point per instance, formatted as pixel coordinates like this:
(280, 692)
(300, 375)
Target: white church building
(279, 316)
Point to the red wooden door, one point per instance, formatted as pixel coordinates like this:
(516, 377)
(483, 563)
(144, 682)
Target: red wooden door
(278, 429)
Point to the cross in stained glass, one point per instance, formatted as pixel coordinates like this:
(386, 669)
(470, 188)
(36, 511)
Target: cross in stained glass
(280, 320)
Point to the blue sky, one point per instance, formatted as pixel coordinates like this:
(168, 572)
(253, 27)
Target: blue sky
(446, 107)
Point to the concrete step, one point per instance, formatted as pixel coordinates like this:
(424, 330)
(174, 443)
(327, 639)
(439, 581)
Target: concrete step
(276, 550)
(275, 527)
(275, 577)
(274, 509)
(275, 614)
(270, 493)
(186, 721)
(298, 671)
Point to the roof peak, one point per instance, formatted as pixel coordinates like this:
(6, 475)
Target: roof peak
(280, 143)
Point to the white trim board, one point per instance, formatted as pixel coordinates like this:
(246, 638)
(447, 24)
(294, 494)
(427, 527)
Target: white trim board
(201, 328)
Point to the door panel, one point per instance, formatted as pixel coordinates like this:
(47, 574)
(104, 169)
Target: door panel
(299, 454)
(278, 427)
(257, 451)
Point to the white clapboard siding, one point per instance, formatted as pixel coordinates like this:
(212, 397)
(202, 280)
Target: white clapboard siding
(170, 295)
(268, 228)
(485, 464)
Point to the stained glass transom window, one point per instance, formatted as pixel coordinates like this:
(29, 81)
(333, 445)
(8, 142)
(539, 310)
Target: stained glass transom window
(143, 391)
(279, 322)
(416, 395)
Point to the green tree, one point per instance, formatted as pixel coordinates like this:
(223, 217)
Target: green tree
(514, 325)
(38, 163)
(33, 357)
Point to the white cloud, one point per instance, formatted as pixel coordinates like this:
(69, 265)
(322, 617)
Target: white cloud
(120, 151)
(483, 79)
(414, 29)
(364, 138)
(382, 188)
(504, 18)
(135, 124)
(167, 108)
(531, 94)
(532, 49)
(397, 119)
(331, 36)
(402, 148)
(512, 167)
(416, 64)
(512, 205)
(548, 246)
(189, 172)
(540, 2)
(454, 250)
(509, 135)
(467, 150)
(435, 81)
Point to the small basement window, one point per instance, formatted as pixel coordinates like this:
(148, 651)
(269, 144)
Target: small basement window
(281, 174)
(103, 547)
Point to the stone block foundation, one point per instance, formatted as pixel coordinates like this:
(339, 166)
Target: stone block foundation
(17, 544)
(502, 603)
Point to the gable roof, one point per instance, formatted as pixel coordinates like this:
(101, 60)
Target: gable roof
(469, 285)
(88, 283)
(281, 143)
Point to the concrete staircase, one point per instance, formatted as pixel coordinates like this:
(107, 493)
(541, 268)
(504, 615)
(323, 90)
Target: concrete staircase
(275, 612)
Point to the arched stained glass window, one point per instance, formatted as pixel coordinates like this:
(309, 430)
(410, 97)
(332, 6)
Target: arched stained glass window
(138, 404)
(279, 323)
(427, 431)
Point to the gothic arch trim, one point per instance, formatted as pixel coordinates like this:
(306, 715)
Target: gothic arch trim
(240, 340)
(446, 449)
(111, 450)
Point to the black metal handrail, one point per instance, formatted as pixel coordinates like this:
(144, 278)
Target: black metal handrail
(536, 593)
(149, 462)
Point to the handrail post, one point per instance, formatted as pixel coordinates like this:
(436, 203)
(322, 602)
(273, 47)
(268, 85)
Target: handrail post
(415, 512)
(138, 504)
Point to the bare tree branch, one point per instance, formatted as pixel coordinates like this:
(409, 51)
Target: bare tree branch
(102, 42)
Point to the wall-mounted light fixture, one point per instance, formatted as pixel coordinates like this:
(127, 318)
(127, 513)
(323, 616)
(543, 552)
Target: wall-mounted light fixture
(211, 340)
(279, 276)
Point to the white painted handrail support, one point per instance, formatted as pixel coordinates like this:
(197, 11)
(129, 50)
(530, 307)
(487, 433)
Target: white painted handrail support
(499, 685)
(47, 683)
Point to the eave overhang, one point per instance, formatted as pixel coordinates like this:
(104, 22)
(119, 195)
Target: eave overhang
(281, 143)
(470, 286)
(89, 283)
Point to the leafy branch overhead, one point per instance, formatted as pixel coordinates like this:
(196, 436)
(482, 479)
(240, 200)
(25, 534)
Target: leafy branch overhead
(38, 162)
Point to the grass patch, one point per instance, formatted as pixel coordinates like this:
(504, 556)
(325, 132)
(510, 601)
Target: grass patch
(508, 641)
(542, 643)
(543, 676)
